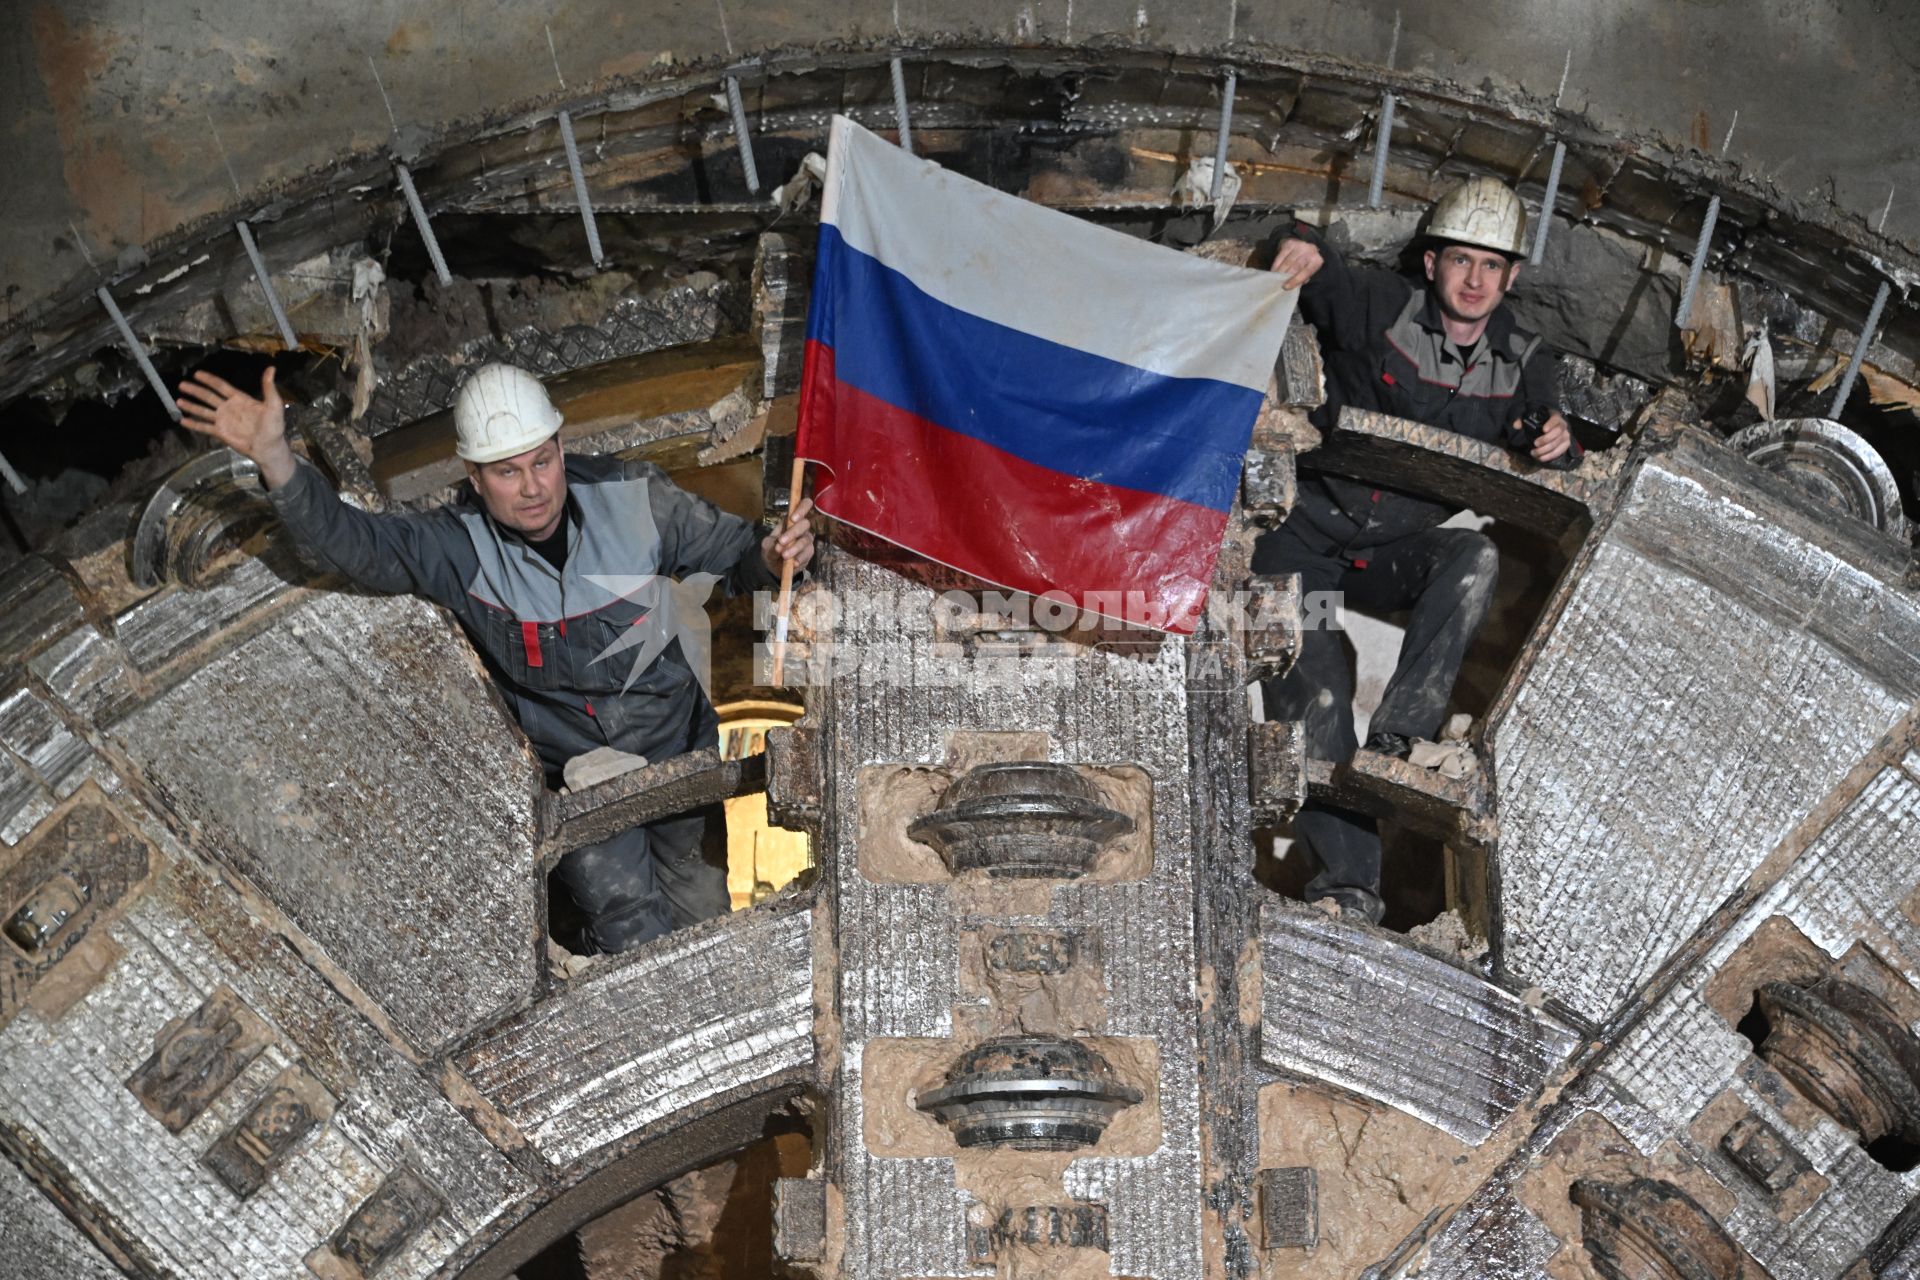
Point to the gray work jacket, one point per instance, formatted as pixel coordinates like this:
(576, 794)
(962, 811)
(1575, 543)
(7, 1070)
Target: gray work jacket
(588, 656)
(1386, 349)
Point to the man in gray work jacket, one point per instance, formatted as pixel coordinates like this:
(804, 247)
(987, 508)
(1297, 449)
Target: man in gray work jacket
(560, 571)
(1444, 351)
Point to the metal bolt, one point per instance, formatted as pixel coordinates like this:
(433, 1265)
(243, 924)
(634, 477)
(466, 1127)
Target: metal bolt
(138, 351)
(11, 476)
(1700, 249)
(1860, 349)
(1226, 132)
(266, 284)
(900, 106)
(1382, 144)
(580, 188)
(420, 221)
(1547, 201)
(742, 135)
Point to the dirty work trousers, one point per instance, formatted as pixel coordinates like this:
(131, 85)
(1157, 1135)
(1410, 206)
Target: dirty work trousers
(649, 880)
(1446, 578)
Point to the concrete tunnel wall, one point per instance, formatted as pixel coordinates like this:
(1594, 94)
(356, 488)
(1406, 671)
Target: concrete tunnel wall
(136, 165)
(111, 106)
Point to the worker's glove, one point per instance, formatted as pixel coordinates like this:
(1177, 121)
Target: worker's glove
(599, 765)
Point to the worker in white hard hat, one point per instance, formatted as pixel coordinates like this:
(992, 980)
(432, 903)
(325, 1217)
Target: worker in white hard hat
(1444, 350)
(564, 571)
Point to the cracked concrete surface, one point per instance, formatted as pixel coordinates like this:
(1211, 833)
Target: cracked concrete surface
(115, 107)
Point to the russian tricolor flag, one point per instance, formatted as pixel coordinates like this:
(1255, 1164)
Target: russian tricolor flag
(1049, 405)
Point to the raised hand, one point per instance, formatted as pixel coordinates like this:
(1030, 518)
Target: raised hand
(254, 427)
(1297, 262)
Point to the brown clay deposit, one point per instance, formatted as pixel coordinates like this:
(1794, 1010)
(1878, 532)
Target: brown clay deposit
(1128, 789)
(76, 974)
(891, 797)
(1380, 1172)
(1774, 952)
(1018, 999)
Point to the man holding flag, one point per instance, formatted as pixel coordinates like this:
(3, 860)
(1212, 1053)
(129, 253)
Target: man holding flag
(1046, 404)
(1446, 352)
(563, 573)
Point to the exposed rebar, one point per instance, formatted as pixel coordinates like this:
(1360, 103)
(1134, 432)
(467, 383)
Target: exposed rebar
(580, 188)
(1227, 92)
(11, 476)
(1382, 144)
(266, 284)
(555, 55)
(420, 221)
(1860, 350)
(138, 351)
(742, 136)
(1547, 201)
(900, 106)
(1699, 264)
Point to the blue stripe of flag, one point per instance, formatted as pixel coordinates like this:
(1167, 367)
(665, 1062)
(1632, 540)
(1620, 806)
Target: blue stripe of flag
(1041, 401)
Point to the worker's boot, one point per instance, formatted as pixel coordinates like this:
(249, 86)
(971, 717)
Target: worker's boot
(1356, 906)
(1397, 745)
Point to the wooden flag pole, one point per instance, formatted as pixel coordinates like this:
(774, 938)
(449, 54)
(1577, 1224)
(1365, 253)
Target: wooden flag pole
(785, 610)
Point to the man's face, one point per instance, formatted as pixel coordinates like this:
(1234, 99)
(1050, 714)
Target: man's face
(1470, 282)
(527, 492)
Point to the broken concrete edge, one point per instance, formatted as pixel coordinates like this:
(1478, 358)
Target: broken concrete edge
(1507, 477)
(331, 437)
(1276, 769)
(1508, 988)
(796, 777)
(1424, 799)
(366, 167)
(440, 484)
(642, 795)
(648, 1158)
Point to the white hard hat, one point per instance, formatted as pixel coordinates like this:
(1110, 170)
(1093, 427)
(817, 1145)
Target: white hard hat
(500, 411)
(1482, 212)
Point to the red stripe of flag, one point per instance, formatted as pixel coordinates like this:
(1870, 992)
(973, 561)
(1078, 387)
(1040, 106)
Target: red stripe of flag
(976, 508)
